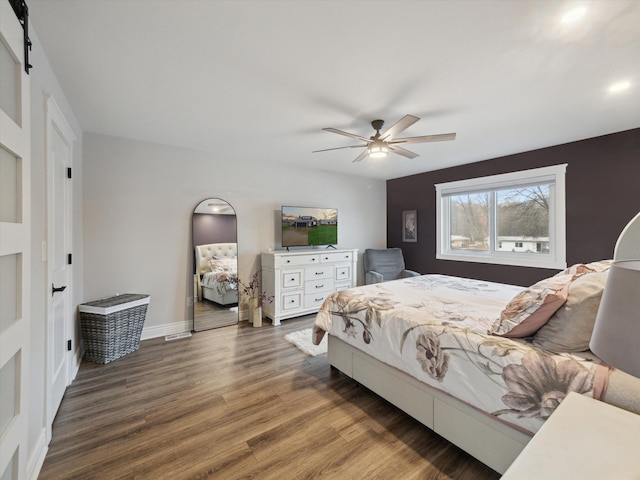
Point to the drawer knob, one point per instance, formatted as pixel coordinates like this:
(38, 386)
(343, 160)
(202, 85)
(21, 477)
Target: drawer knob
(319, 299)
(319, 273)
(319, 286)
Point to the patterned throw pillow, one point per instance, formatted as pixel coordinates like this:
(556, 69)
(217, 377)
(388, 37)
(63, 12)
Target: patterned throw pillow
(593, 267)
(223, 264)
(532, 308)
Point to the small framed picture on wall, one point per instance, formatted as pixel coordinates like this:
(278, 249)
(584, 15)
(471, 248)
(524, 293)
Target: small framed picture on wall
(409, 226)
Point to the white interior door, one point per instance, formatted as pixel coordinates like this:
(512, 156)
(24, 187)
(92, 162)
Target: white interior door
(60, 139)
(15, 247)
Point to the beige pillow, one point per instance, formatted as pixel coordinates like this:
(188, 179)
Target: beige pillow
(532, 308)
(569, 329)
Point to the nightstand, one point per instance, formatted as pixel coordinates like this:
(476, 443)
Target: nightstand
(584, 438)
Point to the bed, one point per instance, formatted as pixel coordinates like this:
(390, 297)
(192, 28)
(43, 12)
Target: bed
(217, 272)
(482, 364)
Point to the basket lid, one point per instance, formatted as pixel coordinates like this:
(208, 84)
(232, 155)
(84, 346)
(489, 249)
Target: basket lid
(109, 305)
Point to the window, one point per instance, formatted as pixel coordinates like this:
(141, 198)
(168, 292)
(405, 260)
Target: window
(510, 219)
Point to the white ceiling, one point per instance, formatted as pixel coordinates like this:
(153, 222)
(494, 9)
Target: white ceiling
(258, 80)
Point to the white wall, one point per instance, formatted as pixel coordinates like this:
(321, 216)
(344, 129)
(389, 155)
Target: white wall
(43, 81)
(138, 201)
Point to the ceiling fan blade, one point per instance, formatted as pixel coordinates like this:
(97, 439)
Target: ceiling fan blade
(443, 137)
(338, 148)
(402, 151)
(361, 156)
(400, 126)
(347, 134)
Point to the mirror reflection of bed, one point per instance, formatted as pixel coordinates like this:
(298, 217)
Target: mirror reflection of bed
(215, 265)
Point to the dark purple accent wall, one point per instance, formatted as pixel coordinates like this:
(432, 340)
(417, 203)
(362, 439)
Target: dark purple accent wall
(602, 195)
(213, 228)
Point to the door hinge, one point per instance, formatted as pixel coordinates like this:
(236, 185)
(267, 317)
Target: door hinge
(68, 259)
(68, 345)
(68, 172)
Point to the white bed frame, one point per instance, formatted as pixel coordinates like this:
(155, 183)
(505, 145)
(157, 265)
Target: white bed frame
(486, 438)
(204, 254)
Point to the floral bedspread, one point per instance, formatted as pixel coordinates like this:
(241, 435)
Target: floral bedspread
(434, 327)
(222, 280)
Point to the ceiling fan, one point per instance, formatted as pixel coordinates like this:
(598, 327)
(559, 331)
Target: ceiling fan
(380, 144)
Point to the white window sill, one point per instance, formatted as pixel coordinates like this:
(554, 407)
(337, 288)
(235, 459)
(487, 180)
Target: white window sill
(533, 261)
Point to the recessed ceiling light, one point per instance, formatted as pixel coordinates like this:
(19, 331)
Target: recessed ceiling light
(619, 87)
(574, 15)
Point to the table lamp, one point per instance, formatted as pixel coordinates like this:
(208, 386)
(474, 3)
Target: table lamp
(616, 333)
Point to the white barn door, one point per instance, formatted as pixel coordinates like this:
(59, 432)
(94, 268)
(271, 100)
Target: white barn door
(15, 245)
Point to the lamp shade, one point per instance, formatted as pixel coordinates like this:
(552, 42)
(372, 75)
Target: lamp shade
(378, 149)
(616, 333)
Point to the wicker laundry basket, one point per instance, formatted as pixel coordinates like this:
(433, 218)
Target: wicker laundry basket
(112, 327)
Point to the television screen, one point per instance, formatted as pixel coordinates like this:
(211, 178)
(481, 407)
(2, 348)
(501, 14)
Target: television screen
(305, 226)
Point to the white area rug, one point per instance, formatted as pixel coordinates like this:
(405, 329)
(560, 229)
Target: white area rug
(302, 340)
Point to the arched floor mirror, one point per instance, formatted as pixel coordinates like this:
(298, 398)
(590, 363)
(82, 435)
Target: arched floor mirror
(215, 254)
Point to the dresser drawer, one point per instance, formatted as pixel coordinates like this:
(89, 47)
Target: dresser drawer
(295, 260)
(336, 257)
(343, 273)
(314, 299)
(292, 279)
(324, 285)
(291, 301)
(319, 272)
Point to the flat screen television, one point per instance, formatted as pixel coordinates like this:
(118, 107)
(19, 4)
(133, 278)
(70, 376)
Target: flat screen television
(307, 226)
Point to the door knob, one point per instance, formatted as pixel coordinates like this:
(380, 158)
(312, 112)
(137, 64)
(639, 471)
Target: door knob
(55, 289)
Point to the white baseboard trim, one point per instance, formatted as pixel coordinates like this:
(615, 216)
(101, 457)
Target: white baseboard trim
(177, 327)
(166, 329)
(36, 459)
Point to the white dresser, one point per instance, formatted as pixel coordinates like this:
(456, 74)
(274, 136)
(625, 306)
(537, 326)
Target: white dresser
(299, 281)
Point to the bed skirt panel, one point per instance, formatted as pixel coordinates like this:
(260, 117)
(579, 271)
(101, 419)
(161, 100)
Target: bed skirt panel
(490, 440)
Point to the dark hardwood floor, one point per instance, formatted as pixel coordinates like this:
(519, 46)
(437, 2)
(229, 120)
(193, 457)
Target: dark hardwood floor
(238, 403)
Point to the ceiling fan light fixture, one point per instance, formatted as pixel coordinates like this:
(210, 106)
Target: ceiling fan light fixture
(378, 151)
(383, 143)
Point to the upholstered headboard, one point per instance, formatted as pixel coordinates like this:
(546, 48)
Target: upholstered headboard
(204, 254)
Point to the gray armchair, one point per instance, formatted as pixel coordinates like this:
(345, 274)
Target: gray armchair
(384, 265)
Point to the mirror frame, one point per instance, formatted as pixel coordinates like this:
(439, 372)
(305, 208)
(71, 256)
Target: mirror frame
(217, 304)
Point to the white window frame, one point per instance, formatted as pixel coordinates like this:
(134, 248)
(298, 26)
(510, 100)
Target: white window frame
(556, 259)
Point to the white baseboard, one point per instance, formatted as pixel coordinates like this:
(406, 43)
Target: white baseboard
(36, 459)
(166, 329)
(177, 327)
